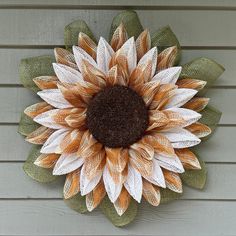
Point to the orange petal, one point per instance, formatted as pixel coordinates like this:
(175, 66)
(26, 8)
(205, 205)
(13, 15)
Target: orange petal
(77, 120)
(40, 135)
(191, 83)
(94, 198)
(93, 75)
(119, 37)
(156, 119)
(199, 129)
(197, 104)
(173, 181)
(143, 44)
(122, 202)
(72, 184)
(162, 96)
(46, 82)
(112, 77)
(151, 193)
(36, 109)
(71, 142)
(86, 43)
(166, 58)
(188, 159)
(47, 160)
(65, 57)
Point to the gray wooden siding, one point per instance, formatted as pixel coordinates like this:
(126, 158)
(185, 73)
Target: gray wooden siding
(30, 28)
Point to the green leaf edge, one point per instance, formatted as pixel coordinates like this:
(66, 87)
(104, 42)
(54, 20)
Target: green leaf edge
(77, 203)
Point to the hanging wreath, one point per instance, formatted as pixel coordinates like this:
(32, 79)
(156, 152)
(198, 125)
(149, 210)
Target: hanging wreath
(118, 119)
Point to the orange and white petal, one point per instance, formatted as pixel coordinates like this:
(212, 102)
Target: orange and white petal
(175, 120)
(119, 37)
(199, 129)
(188, 115)
(166, 58)
(94, 198)
(67, 163)
(81, 55)
(148, 91)
(113, 190)
(72, 184)
(173, 181)
(191, 83)
(122, 202)
(181, 97)
(150, 56)
(142, 165)
(92, 74)
(65, 57)
(47, 160)
(112, 76)
(86, 43)
(168, 76)
(52, 145)
(40, 135)
(156, 119)
(188, 159)
(143, 44)
(37, 108)
(197, 104)
(171, 163)
(55, 98)
(181, 138)
(133, 183)
(76, 120)
(67, 74)
(151, 193)
(104, 54)
(88, 184)
(46, 82)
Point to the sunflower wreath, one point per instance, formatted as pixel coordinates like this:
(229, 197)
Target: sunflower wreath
(119, 119)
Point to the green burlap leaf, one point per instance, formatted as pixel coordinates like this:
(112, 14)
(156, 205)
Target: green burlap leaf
(210, 117)
(195, 178)
(35, 172)
(26, 125)
(131, 22)
(72, 31)
(167, 195)
(77, 203)
(165, 38)
(202, 69)
(109, 211)
(33, 67)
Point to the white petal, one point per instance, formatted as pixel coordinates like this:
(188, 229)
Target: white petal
(171, 163)
(134, 183)
(67, 74)
(188, 115)
(151, 55)
(168, 76)
(67, 163)
(104, 54)
(80, 55)
(129, 49)
(181, 96)
(46, 120)
(113, 190)
(181, 138)
(52, 145)
(157, 177)
(87, 185)
(55, 98)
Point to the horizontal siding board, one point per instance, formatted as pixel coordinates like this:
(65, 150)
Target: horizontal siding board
(14, 100)
(45, 3)
(14, 148)
(45, 27)
(27, 188)
(182, 218)
(10, 59)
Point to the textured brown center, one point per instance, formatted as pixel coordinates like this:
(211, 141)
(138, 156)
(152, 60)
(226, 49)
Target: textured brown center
(117, 116)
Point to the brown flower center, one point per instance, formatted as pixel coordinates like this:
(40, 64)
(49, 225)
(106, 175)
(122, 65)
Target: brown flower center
(117, 116)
